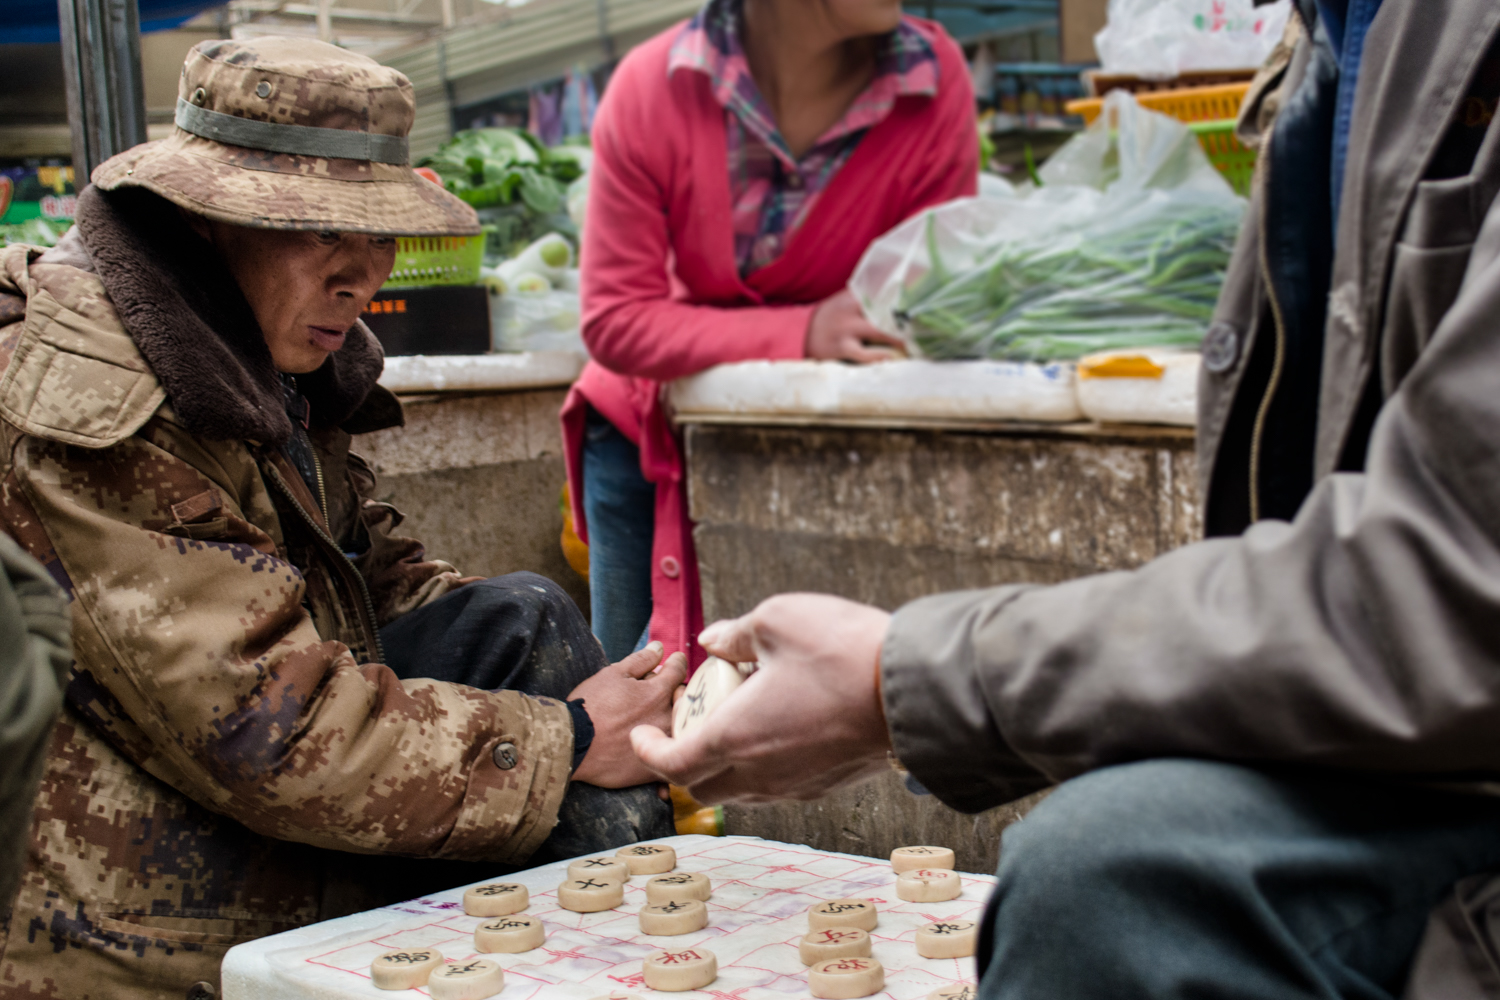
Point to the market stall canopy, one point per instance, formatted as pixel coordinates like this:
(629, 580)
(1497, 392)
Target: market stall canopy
(35, 21)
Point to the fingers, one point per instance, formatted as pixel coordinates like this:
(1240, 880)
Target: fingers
(732, 640)
(671, 675)
(642, 662)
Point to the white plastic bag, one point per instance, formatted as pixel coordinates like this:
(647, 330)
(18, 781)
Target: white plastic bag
(1160, 39)
(1125, 244)
(536, 321)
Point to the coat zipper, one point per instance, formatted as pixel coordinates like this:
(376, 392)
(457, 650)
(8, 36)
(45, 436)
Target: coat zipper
(322, 490)
(364, 591)
(1276, 364)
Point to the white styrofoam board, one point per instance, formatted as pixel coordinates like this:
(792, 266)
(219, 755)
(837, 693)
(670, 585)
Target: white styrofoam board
(479, 372)
(1170, 399)
(947, 390)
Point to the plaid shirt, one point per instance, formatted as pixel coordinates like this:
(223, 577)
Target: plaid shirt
(771, 191)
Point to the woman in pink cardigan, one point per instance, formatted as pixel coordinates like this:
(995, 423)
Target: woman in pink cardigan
(743, 163)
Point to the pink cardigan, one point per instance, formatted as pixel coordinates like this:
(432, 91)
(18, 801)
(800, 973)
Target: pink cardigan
(662, 295)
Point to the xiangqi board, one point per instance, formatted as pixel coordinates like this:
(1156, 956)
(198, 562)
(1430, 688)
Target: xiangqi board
(762, 891)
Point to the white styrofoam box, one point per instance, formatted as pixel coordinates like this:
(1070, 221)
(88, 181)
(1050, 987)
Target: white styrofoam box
(477, 372)
(1120, 387)
(944, 390)
(757, 913)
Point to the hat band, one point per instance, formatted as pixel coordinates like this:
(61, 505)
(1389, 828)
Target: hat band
(300, 140)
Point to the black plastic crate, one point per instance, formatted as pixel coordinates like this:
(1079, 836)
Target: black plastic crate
(441, 320)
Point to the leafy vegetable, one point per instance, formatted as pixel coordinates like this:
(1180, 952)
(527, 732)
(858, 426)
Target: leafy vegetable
(1150, 280)
(37, 232)
(519, 185)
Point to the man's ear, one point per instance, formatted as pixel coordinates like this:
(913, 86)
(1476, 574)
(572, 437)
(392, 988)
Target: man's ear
(199, 224)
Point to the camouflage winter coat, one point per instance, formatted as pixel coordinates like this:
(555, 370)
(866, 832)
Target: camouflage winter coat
(228, 715)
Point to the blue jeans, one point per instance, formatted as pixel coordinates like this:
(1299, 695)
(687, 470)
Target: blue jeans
(620, 506)
(1176, 879)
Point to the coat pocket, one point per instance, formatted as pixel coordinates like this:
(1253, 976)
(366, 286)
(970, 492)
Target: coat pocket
(210, 932)
(1425, 281)
(200, 530)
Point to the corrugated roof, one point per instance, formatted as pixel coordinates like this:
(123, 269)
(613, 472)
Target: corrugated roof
(534, 42)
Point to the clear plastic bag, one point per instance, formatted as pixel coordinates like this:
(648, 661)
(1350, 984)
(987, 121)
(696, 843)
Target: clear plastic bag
(1160, 39)
(536, 321)
(1125, 244)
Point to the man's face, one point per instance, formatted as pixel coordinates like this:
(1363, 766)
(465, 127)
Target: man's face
(306, 289)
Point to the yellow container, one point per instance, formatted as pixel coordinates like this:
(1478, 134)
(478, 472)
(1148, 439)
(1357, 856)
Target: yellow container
(428, 261)
(1190, 104)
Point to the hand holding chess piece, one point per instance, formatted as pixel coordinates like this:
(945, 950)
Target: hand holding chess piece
(814, 698)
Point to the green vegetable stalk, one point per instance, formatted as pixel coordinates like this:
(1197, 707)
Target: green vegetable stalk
(1148, 278)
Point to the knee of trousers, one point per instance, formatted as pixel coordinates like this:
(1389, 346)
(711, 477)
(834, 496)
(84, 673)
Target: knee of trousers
(1104, 839)
(531, 591)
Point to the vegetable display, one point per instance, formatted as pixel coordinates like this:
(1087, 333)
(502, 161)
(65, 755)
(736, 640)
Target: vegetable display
(1150, 279)
(36, 232)
(1122, 240)
(518, 186)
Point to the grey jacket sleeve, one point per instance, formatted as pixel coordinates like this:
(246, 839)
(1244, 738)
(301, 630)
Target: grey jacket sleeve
(1363, 635)
(34, 662)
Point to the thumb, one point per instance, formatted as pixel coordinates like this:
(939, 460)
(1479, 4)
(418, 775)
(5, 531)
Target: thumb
(680, 761)
(732, 640)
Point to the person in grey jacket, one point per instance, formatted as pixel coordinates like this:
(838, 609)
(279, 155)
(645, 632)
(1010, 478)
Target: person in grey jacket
(1279, 748)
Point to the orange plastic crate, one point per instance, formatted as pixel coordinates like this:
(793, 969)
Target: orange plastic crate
(1190, 104)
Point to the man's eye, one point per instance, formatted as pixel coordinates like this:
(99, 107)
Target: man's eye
(328, 236)
(382, 241)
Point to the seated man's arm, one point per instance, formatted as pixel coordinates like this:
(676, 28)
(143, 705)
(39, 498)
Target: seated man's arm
(1363, 635)
(197, 657)
(34, 660)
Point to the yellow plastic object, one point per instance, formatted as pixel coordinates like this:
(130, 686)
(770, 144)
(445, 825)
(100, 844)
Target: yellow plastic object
(575, 550)
(1121, 366)
(692, 816)
(708, 821)
(1189, 104)
(426, 261)
(1227, 153)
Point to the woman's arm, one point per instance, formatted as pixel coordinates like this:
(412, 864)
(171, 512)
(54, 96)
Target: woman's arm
(631, 324)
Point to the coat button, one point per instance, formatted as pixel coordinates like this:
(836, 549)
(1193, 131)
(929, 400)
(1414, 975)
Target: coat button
(263, 89)
(670, 567)
(202, 991)
(505, 756)
(1221, 348)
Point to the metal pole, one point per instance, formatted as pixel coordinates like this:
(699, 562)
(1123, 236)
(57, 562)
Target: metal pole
(606, 41)
(101, 47)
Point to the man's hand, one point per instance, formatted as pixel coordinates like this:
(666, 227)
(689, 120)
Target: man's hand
(808, 720)
(619, 698)
(839, 330)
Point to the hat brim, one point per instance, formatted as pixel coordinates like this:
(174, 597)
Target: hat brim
(249, 187)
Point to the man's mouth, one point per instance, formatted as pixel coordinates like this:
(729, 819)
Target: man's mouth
(326, 338)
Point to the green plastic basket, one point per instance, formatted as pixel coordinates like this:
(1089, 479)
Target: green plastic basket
(1226, 152)
(426, 261)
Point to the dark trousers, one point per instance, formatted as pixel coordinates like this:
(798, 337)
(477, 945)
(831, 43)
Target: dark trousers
(1183, 879)
(522, 632)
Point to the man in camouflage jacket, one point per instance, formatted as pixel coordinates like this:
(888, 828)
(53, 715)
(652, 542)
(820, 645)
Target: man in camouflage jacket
(232, 714)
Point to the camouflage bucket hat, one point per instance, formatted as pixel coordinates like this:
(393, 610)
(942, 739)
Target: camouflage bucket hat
(291, 133)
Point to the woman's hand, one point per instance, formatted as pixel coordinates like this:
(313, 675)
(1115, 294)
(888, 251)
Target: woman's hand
(618, 698)
(808, 720)
(839, 331)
